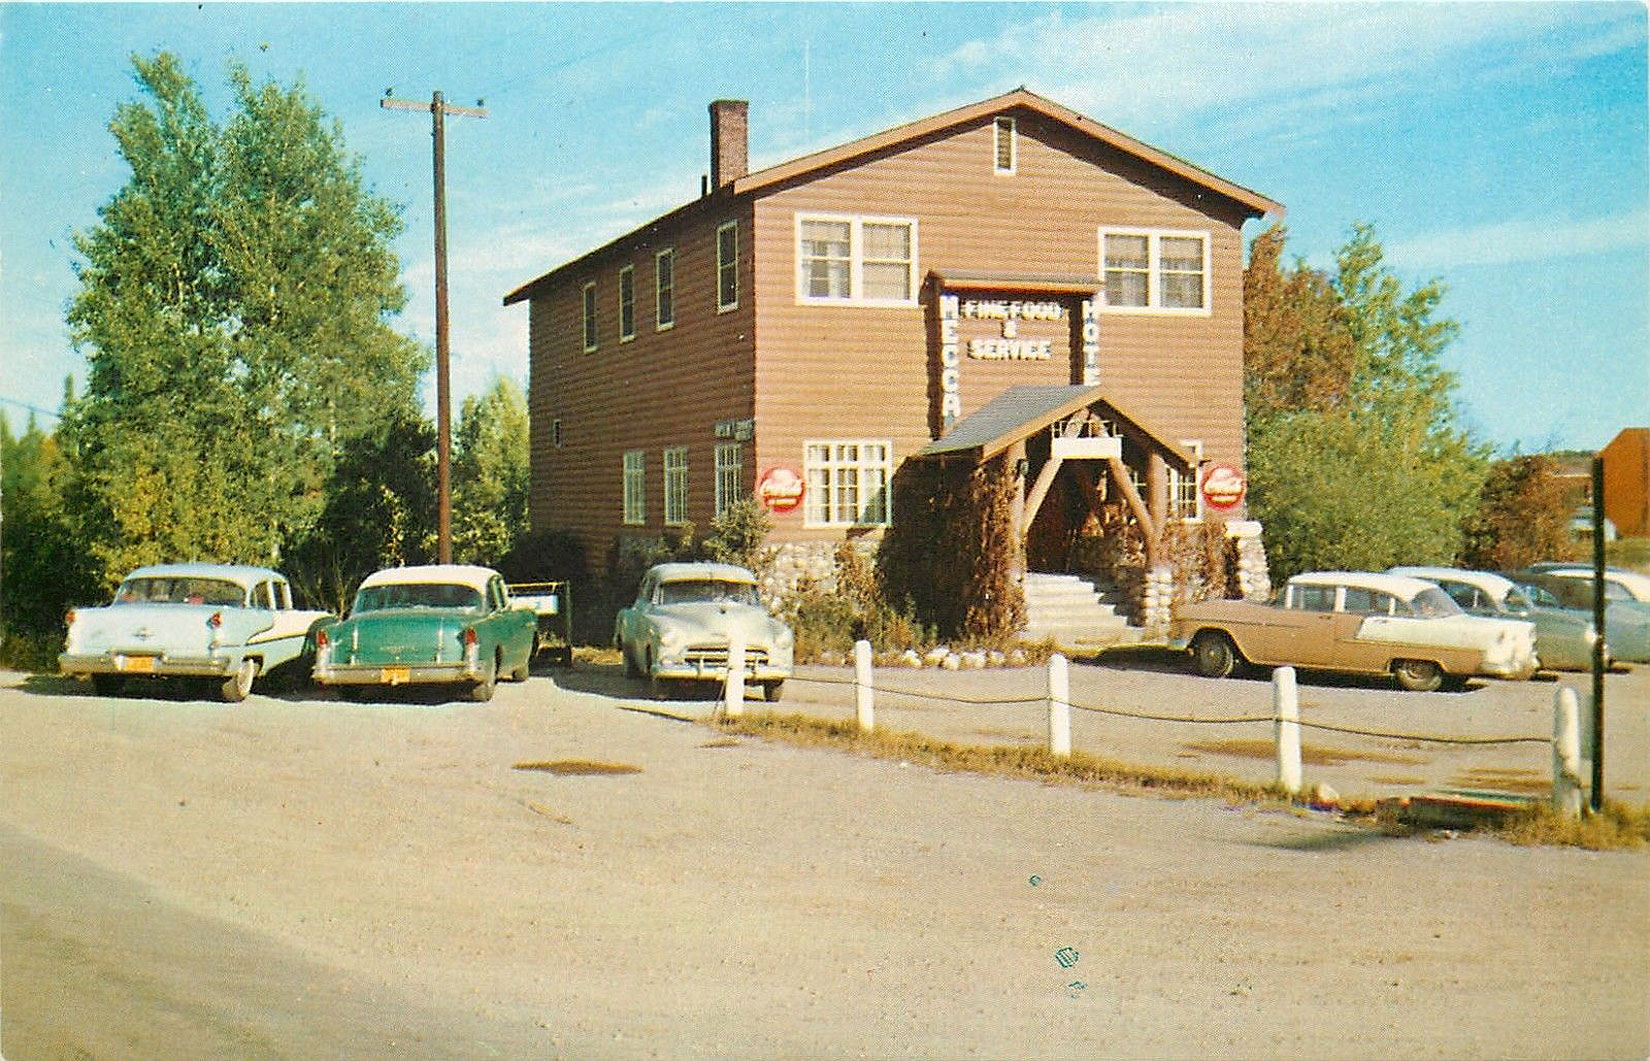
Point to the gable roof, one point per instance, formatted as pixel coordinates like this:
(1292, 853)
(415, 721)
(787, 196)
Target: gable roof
(1021, 98)
(1022, 411)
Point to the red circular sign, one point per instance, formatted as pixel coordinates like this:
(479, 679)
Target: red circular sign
(780, 489)
(1223, 486)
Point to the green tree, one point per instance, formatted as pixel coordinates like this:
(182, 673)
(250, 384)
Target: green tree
(1298, 351)
(491, 478)
(42, 570)
(1523, 515)
(233, 309)
(1378, 472)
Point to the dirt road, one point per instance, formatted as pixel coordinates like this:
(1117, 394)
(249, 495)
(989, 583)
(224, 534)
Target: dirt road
(300, 877)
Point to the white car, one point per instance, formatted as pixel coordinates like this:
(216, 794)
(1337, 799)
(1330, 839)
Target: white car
(1564, 638)
(224, 621)
(680, 625)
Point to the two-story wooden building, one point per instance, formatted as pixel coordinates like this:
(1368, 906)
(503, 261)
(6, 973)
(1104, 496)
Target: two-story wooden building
(1009, 277)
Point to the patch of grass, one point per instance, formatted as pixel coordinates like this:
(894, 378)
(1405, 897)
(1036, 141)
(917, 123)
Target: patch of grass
(1001, 761)
(578, 767)
(1397, 779)
(1317, 755)
(1616, 827)
(596, 655)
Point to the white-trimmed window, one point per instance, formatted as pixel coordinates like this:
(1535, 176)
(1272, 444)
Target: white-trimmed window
(635, 486)
(676, 486)
(590, 317)
(847, 482)
(1155, 271)
(1185, 499)
(627, 303)
(727, 266)
(664, 289)
(730, 475)
(1003, 146)
(860, 260)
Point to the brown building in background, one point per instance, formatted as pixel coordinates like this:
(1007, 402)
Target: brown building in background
(1627, 482)
(1009, 277)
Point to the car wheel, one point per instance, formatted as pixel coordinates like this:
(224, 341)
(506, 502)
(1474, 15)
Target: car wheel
(1418, 675)
(482, 691)
(521, 673)
(630, 668)
(237, 685)
(1214, 655)
(108, 684)
(772, 691)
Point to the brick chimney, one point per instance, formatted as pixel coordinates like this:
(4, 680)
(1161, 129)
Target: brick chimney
(729, 141)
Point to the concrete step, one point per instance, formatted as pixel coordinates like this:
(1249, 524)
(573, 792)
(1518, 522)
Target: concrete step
(1072, 612)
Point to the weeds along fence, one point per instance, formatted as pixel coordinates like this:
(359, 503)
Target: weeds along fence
(1565, 741)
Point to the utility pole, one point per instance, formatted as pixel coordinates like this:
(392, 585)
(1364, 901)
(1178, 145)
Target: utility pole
(438, 109)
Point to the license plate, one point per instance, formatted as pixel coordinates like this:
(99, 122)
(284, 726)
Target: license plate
(138, 665)
(395, 675)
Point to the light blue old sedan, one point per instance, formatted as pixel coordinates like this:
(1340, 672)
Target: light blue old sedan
(684, 617)
(228, 622)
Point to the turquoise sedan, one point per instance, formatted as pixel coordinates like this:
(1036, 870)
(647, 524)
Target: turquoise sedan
(446, 624)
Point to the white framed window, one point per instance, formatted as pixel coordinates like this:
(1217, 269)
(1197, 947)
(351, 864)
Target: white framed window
(727, 266)
(1003, 146)
(590, 317)
(730, 475)
(627, 303)
(856, 260)
(1185, 499)
(1155, 270)
(847, 482)
(676, 486)
(664, 289)
(635, 486)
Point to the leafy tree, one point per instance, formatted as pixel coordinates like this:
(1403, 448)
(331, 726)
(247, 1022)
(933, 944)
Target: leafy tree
(1369, 470)
(1523, 515)
(42, 571)
(491, 477)
(739, 535)
(233, 311)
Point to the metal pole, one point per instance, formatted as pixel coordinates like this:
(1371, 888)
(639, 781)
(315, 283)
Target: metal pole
(1598, 625)
(443, 400)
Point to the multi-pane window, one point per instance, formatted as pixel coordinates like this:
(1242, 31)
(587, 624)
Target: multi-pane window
(589, 317)
(847, 483)
(664, 288)
(1003, 153)
(730, 475)
(627, 303)
(1185, 499)
(1155, 271)
(855, 259)
(727, 266)
(635, 486)
(676, 486)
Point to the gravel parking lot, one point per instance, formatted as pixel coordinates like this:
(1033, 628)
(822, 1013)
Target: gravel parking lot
(562, 872)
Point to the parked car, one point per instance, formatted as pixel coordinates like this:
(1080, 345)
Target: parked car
(228, 622)
(1564, 637)
(1626, 622)
(684, 615)
(1619, 584)
(1359, 623)
(438, 624)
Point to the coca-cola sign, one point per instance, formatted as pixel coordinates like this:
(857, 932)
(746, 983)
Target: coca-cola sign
(780, 489)
(1223, 486)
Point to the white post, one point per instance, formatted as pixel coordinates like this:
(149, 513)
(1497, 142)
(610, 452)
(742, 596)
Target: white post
(1566, 753)
(862, 686)
(1059, 707)
(735, 691)
(1286, 715)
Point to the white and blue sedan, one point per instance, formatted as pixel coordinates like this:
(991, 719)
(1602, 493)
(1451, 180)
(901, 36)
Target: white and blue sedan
(227, 622)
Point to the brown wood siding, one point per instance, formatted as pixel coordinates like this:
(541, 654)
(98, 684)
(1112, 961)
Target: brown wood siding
(851, 372)
(661, 389)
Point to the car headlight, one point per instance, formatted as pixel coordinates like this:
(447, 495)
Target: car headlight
(670, 638)
(783, 637)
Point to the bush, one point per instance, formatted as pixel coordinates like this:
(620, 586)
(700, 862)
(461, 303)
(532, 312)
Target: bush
(830, 623)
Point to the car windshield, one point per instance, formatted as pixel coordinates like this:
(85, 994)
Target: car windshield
(712, 590)
(1540, 597)
(417, 595)
(181, 590)
(1519, 601)
(1432, 602)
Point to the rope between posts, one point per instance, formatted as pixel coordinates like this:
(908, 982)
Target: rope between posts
(881, 690)
(1419, 737)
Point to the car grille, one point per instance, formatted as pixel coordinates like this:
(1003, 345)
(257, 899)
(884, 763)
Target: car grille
(715, 657)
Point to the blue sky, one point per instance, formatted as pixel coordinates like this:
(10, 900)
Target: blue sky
(1499, 147)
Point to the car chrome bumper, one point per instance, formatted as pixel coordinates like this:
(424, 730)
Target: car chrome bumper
(713, 672)
(396, 674)
(1516, 669)
(139, 665)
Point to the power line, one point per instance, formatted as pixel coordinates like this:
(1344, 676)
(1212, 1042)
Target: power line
(31, 408)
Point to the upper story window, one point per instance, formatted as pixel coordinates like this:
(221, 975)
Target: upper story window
(1003, 146)
(589, 317)
(1155, 271)
(664, 289)
(727, 266)
(863, 260)
(627, 303)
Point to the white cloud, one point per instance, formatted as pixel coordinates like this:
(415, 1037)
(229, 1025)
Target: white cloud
(1521, 240)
